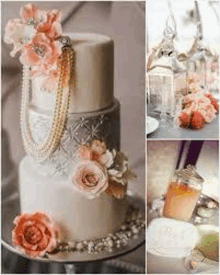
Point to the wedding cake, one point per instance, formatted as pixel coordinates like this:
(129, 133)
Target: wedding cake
(73, 180)
(93, 114)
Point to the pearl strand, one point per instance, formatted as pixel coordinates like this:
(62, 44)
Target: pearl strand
(62, 98)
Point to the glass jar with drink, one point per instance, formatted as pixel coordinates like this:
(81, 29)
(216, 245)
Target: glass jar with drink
(182, 194)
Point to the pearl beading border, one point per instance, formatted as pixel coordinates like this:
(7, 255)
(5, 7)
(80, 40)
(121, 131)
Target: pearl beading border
(44, 150)
(131, 229)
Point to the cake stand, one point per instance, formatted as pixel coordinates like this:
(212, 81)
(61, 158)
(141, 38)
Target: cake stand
(11, 208)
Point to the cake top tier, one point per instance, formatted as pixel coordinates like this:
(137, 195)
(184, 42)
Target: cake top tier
(92, 83)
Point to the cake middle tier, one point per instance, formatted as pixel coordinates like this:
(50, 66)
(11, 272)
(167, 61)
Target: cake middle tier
(80, 129)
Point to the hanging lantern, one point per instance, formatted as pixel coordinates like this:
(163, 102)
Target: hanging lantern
(201, 61)
(165, 80)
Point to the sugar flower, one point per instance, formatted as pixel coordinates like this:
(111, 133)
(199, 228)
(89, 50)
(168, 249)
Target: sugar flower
(40, 52)
(17, 34)
(34, 35)
(90, 178)
(34, 234)
(52, 26)
(115, 165)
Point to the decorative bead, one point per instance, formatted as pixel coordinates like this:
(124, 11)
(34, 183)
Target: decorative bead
(80, 246)
(72, 245)
(44, 150)
(111, 242)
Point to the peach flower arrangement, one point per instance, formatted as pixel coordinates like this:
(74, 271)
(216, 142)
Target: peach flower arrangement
(34, 234)
(34, 36)
(198, 108)
(100, 170)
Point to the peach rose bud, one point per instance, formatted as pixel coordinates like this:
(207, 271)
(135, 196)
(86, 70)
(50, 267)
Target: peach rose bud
(98, 148)
(84, 152)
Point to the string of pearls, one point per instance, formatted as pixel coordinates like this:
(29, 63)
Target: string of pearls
(61, 105)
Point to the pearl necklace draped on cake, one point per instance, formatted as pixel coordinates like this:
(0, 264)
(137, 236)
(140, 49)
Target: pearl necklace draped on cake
(44, 150)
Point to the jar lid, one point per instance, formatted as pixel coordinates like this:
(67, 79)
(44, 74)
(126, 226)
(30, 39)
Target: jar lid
(188, 176)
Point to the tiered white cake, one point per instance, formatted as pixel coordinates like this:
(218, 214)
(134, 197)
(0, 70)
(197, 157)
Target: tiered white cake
(93, 114)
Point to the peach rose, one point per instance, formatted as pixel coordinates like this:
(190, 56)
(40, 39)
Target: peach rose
(16, 33)
(52, 26)
(84, 152)
(32, 15)
(207, 111)
(34, 234)
(40, 52)
(90, 178)
(98, 148)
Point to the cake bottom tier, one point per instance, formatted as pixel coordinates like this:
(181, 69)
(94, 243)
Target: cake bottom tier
(77, 217)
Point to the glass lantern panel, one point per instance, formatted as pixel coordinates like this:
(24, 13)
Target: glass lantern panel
(197, 73)
(161, 101)
(213, 77)
(180, 90)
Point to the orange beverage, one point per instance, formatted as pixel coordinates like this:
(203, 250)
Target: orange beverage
(182, 194)
(180, 201)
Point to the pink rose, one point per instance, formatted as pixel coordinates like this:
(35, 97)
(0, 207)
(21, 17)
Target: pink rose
(98, 148)
(40, 52)
(84, 152)
(52, 26)
(32, 15)
(34, 234)
(207, 111)
(90, 178)
(16, 33)
(93, 152)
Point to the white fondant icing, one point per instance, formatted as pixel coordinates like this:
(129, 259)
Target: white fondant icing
(93, 114)
(80, 218)
(92, 84)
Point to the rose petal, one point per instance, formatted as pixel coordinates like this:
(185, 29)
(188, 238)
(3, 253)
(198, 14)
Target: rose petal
(34, 233)
(116, 190)
(113, 172)
(28, 11)
(84, 152)
(106, 159)
(28, 246)
(81, 178)
(98, 147)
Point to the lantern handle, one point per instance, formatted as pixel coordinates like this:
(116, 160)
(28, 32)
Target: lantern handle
(199, 33)
(170, 29)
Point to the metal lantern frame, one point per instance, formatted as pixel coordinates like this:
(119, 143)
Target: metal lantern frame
(199, 53)
(163, 63)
